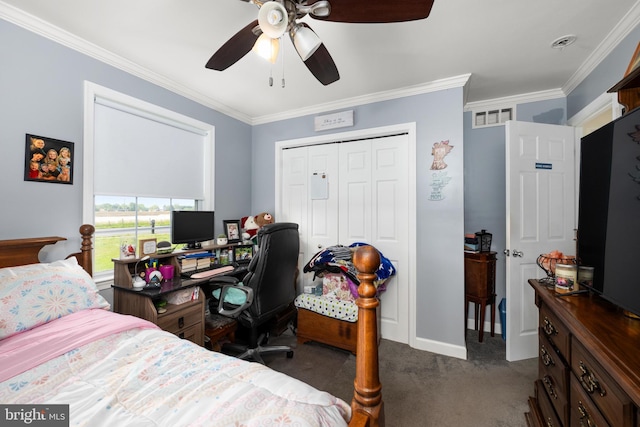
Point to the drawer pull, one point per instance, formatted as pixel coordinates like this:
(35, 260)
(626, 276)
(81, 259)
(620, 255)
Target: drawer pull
(547, 360)
(549, 384)
(585, 418)
(549, 422)
(589, 382)
(181, 322)
(181, 335)
(548, 327)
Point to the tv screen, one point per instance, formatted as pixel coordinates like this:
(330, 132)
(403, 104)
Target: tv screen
(609, 210)
(192, 227)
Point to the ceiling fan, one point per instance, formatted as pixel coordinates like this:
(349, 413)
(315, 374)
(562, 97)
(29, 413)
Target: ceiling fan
(277, 17)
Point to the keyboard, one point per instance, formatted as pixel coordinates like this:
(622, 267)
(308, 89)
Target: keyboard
(213, 272)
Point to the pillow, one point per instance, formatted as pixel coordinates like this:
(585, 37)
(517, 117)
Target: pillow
(337, 286)
(34, 294)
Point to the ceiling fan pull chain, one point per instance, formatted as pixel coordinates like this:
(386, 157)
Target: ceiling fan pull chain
(271, 76)
(283, 68)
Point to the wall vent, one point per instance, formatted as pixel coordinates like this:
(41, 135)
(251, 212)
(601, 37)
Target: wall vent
(493, 117)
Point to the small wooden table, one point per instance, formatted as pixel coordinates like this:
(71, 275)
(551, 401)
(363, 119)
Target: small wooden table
(480, 287)
(218, 327)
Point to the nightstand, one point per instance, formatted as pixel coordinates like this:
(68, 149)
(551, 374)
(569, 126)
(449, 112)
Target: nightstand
(480, 287)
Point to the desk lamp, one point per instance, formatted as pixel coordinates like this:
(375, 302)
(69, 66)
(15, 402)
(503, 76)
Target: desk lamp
(138, 282)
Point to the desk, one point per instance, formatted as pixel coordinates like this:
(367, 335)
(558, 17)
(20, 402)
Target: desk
(480, 286)
(185, 320)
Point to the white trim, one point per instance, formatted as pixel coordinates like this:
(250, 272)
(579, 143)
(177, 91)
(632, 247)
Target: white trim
(438, 347)
(93, 91)
(615, 36)
(595, 107)
(410, 129)
(437, 85)
(492, 104)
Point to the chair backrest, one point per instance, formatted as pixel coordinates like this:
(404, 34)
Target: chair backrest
(273, 270)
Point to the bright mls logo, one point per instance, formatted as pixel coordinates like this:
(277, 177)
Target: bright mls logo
(34, 415)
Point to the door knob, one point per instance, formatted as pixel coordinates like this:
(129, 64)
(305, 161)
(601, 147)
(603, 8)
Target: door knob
(517, 253)
(506, 252)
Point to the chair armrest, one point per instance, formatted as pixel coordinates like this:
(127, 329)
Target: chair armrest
(239, 309)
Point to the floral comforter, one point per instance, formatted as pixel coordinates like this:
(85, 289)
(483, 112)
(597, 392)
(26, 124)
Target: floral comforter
(148, 377)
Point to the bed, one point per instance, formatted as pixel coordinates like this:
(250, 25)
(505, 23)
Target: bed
(60, 344)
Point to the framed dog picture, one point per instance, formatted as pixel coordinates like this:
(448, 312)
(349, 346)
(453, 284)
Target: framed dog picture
(48, 160)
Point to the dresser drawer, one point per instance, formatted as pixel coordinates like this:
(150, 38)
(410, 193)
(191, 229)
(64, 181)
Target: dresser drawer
(594, 382)
(583, 411)
(555, 331)
(180, 319)
(547, 411)
(553, 365)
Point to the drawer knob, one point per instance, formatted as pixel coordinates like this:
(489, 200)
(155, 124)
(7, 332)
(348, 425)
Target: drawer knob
(585, 418)
(548, 327)
(181, 322)
(547, 360)
(181, 335)
(549, 384)
(589, 382)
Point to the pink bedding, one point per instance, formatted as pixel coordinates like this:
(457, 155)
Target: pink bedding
(29, 349)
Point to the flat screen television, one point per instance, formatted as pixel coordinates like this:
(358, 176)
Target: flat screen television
(609, 210)
(192, 227)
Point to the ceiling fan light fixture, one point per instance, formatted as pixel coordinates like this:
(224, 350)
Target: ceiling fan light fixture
(273, 19)
(320, 9)
(267, 48)
(305, 41)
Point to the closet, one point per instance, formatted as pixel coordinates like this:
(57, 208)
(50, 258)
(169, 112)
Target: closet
(354, 191)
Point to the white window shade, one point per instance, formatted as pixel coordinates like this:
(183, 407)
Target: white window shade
(141, 155)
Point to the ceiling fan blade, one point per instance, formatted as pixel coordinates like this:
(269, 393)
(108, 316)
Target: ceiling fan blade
(235, 48)
(376, 11)
(322, 66)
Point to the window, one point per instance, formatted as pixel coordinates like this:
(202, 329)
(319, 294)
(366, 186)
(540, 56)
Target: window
(140, 162)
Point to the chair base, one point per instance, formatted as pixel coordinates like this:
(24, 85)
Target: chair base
(243, 352)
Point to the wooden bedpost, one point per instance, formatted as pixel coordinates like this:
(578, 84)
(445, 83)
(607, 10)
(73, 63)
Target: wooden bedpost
(367, 395)
(84, 256)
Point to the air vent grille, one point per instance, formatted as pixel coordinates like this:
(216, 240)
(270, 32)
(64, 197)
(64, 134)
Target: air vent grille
(493, 117)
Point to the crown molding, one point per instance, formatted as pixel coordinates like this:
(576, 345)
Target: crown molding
(45, 29)
(615, 36)
(491, 104)
(434, 86)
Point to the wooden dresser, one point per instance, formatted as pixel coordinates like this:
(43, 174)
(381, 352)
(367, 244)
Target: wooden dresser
(589, 363)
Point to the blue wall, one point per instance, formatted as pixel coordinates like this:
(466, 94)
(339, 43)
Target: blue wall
(41, 83)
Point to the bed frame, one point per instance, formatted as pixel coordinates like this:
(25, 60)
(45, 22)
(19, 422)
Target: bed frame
(367, 406)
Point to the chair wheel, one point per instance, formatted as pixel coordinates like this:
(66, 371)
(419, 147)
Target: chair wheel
(290, 354)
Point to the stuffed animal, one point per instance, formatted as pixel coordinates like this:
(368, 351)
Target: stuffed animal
(251, 224)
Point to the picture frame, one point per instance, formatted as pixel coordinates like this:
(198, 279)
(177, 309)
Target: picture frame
(48, 160)
(147, 247)
(232, 230)
(243, 253)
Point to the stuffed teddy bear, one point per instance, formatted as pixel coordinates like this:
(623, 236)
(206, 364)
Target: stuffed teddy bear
(251, 224)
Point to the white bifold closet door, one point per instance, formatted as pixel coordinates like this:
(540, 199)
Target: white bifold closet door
(354, 191)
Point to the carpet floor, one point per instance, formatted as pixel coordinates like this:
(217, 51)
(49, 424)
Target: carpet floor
(424, 389)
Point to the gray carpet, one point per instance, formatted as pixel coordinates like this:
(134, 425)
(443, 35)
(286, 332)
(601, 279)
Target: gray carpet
(421, 388)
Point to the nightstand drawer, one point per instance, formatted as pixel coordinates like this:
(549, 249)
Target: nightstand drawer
(176, 321)
(555, 331)
(600, 387)
(189, 333)
(583, 411)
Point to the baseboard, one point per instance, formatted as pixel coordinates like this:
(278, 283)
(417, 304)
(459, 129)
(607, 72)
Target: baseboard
(439, 347)
(487, 326)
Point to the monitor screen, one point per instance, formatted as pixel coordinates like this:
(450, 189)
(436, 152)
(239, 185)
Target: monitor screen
(192, 227)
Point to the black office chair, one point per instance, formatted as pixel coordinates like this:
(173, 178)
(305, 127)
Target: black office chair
(268, 286)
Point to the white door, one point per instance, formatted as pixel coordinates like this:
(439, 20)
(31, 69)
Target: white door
(374, 199)
(541, 200)
(316, 216)
(367, 200)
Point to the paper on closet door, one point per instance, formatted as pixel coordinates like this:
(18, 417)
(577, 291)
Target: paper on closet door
(319, 186)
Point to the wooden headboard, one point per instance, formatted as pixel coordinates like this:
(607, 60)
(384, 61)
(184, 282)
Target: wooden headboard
(25, 251)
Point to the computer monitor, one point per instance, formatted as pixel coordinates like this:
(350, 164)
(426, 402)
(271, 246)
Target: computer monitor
(192, 227)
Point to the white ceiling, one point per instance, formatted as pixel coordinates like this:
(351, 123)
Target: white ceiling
(503, 44)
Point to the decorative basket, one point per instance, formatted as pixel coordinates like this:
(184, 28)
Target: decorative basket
(548, 264)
